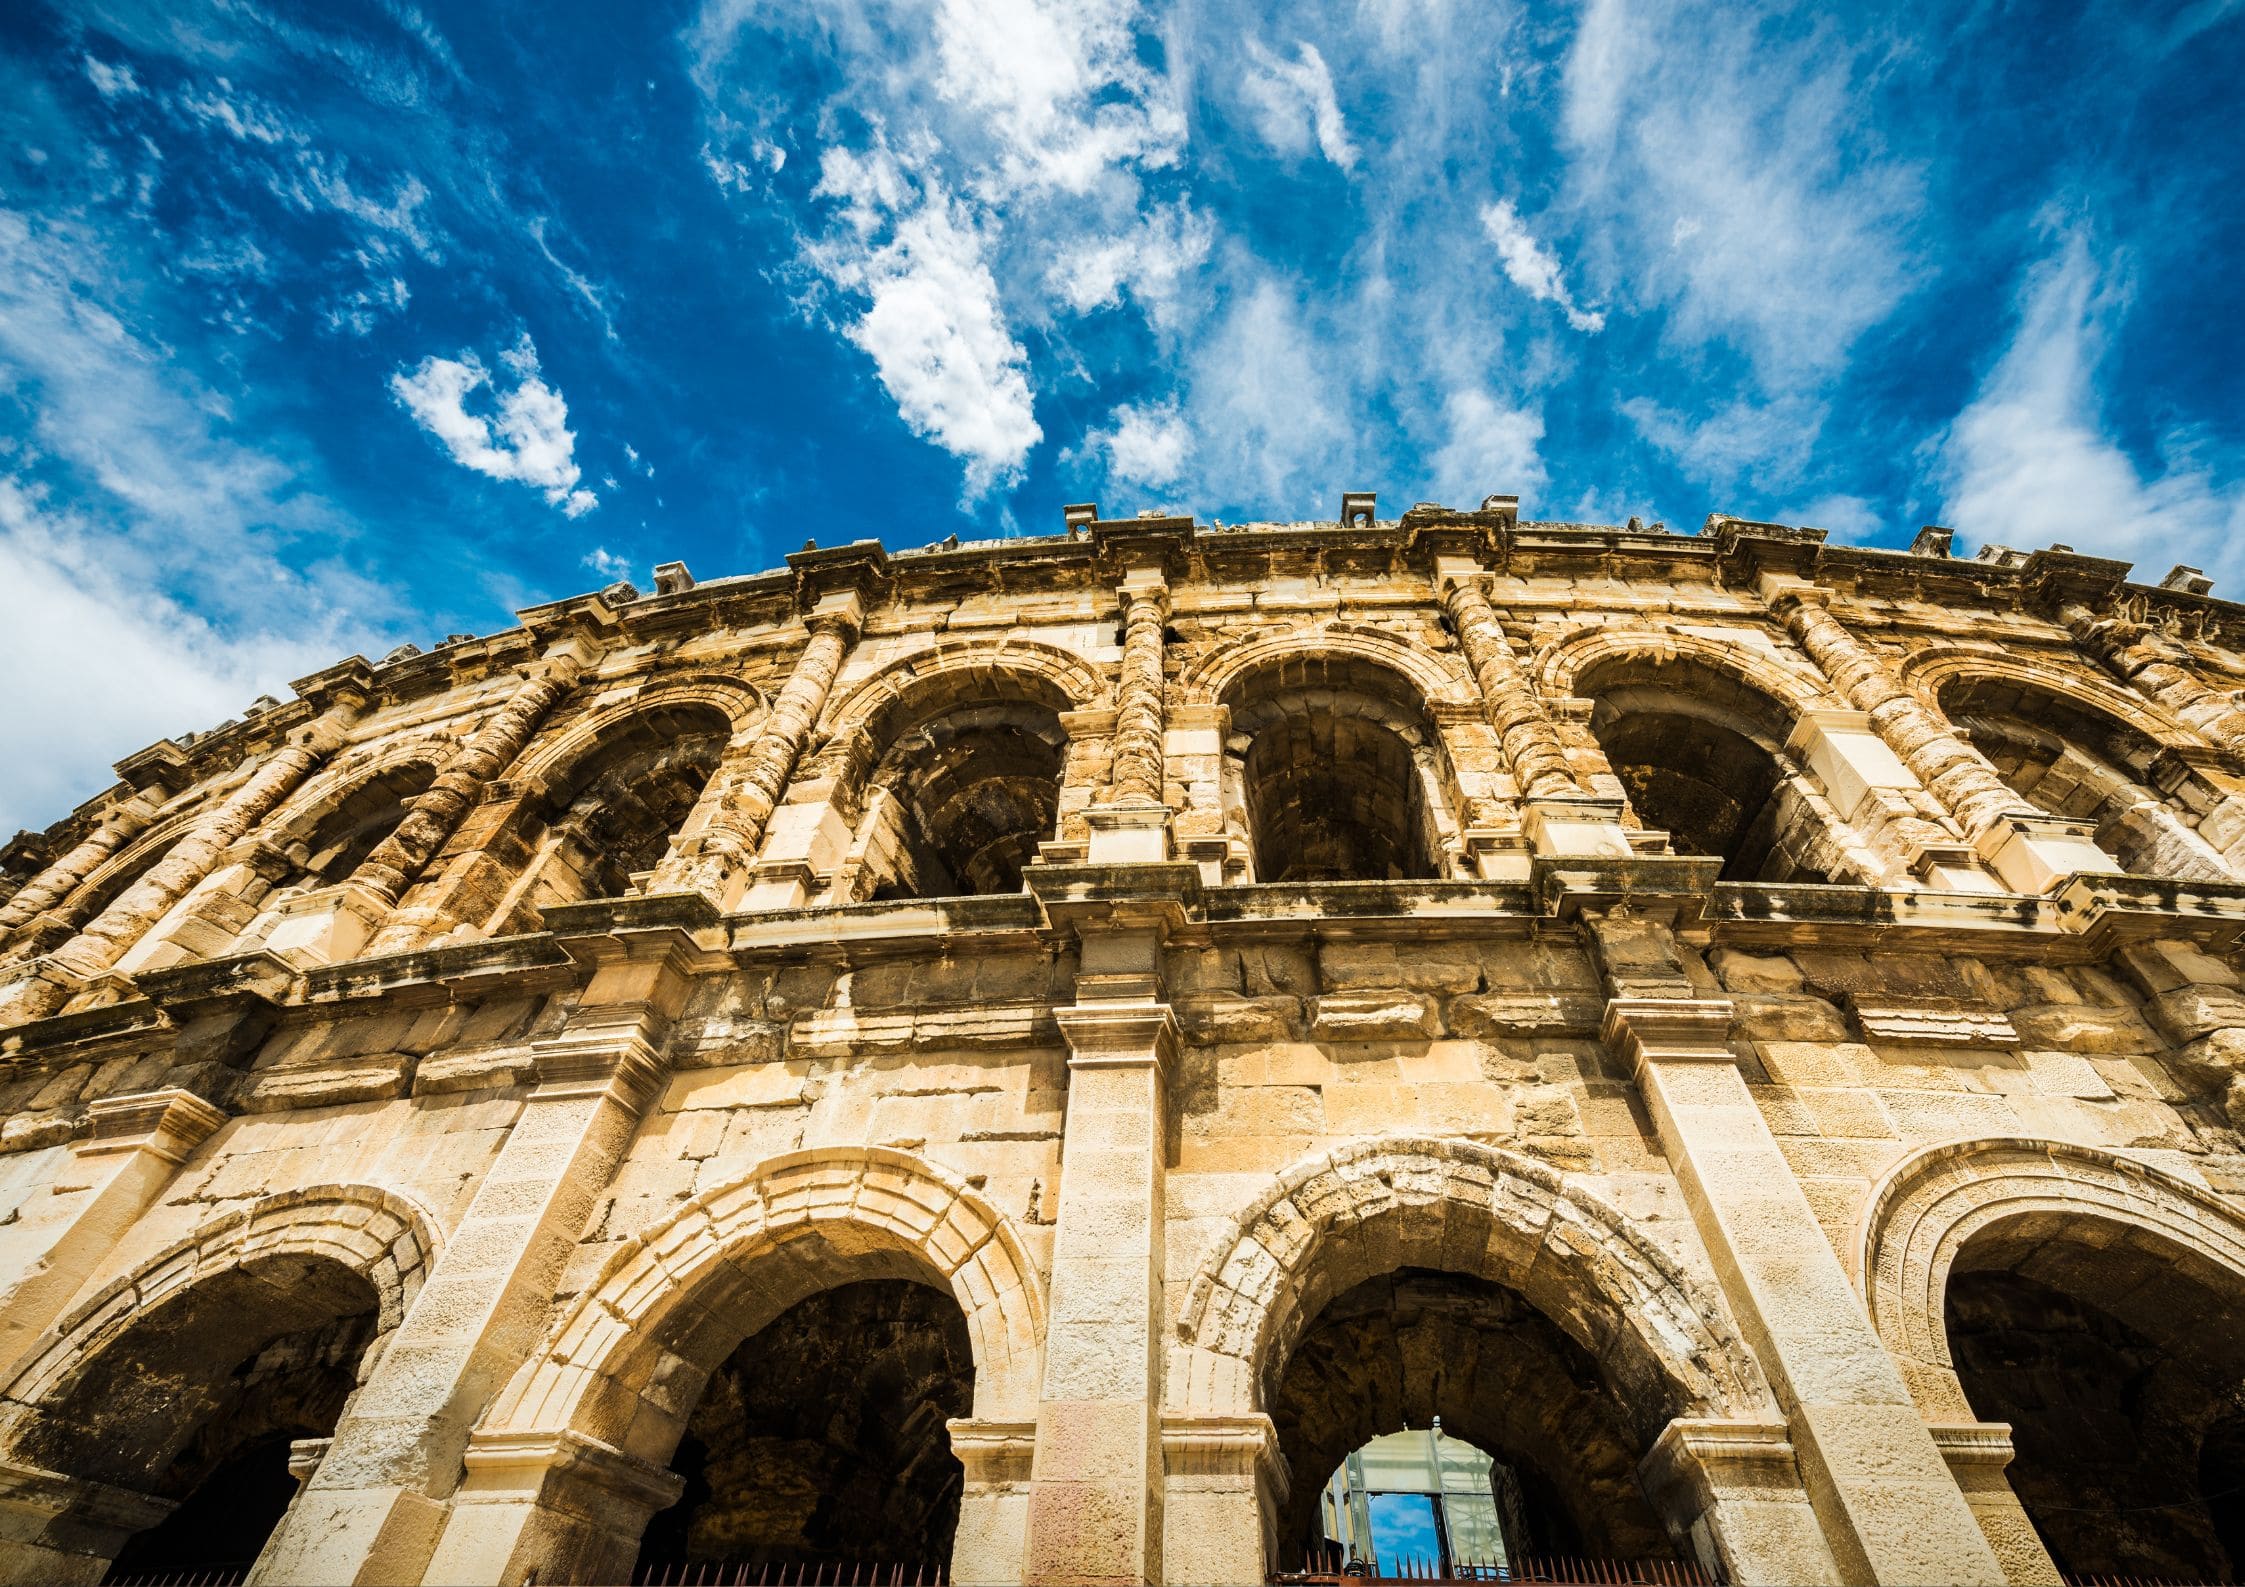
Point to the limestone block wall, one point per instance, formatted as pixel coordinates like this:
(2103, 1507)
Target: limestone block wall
(1679, 1008)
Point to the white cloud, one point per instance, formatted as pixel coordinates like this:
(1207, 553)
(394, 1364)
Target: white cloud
(112, 82)
(1531, 267)
(932, 321)
(2028, 461)
(526, 439)
(99, 664)
(1262, 401)
(606, 563)
(1294, 104)
(1059, 85)
(1152, 261)
(1148, 445)
(1847, 517)
(1488, 447)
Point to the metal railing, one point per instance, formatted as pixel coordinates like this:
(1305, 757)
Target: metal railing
(1556, 1570)
(717, 1573)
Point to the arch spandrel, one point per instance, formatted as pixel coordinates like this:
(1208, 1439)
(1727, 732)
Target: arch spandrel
(625, 1363)
(1437, 680)
(1373, 1206)
(1929, 1206)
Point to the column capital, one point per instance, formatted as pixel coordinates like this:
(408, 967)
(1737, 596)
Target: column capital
(1699, 1456)
(1119, 1036)
(993, 1452)
(171, 1123)
(1199, 1445)
(1669, 1030)
(1982, 1445)
(505, 1465)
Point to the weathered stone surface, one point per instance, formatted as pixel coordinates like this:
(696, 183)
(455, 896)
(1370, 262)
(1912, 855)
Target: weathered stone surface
(1019, 1057)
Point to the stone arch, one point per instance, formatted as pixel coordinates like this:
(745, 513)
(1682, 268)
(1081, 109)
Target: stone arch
(107, 882)
(1696, 736)
(857, 727)
(1928, 1206)
(170, 1388)
(335, 782)
(2079, 748)
(379, 1233)
(801, 1222)
(1438, 681)
(1929, 672)
(739, 703)
(1562, 662)
(1376, 1205)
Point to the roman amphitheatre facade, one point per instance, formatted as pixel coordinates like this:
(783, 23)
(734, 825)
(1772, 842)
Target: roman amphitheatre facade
(1023, 1061)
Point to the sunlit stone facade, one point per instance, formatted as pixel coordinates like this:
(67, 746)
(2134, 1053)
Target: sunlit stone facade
(1021, 1056)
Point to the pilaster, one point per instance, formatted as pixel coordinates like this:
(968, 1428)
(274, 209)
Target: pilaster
(1889, 1509)
(378, 1509)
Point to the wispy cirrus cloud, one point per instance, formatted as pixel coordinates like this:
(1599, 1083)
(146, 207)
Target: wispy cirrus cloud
(2029, 460)
(1533, 268)
(1294, 105)
(525, 435)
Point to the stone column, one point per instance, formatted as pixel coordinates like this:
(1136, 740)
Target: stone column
(2158, 669)
(1532, 748)
(557, 1507)
(1734, 1488)
(2030, 851)
(1977, 1453)
(1559, 815)
(993, 1500)
(1138, 702)
(57, 1239)
(41, 986)
(1872, 791)
(1225, 1483)
(378, 1507)
(360, 913)
(1095, 1481)
(36, 898)
(1890, 1511)
(717, 863)
(430, 820)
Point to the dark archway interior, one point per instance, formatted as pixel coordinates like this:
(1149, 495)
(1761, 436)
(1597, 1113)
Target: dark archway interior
(1329, 751)
(1709, 788)
(2129, 1449)
(619, 807)
(1399, 1350)
(821, 1439)
(963, 801)
(198, 1401)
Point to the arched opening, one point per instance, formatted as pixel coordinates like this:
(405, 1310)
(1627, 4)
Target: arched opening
(1336, 771)
(2119, 1364)
(821, 1441)
(351, 829)
(193, 1407)
(606, 820)
(2070, 760)
(1400, 1351)
(959, 802)
(1701, 757)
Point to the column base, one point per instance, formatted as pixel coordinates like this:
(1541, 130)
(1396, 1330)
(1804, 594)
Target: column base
(2033, 853)
(1128, 834)
(1577, 828)
(327, 926)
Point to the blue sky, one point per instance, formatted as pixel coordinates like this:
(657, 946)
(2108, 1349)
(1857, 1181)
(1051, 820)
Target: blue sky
(323, 328)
